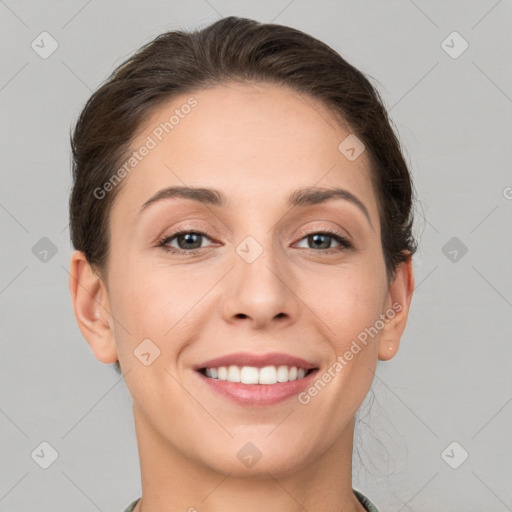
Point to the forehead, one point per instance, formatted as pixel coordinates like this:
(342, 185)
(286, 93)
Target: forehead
(257, 142)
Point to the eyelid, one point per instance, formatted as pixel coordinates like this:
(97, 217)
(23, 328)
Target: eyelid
(302, 233)
(344, 243)
(187, 229)
(343, 233)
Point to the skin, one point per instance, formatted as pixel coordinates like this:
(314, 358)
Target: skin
(256, 143)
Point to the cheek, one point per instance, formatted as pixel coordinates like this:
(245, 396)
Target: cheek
(149, 295)
(161, 304)
(152, 307)
(347, 299)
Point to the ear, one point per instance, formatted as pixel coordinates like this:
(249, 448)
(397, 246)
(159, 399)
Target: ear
(91, 305)
(398, 302)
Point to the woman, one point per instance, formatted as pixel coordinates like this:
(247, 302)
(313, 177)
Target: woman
(248, 353)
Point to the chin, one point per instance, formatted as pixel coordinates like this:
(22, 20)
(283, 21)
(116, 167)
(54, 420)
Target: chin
(246, 458)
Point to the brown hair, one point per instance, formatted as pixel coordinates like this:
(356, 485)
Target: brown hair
(231, 49)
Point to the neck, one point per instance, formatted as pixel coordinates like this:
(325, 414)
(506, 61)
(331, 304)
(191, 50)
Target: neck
(172, 481)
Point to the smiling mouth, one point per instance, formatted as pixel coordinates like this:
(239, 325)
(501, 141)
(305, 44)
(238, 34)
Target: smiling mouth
(266, 375)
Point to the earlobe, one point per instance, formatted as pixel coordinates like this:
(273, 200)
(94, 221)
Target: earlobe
(399, 299)
(92, 309)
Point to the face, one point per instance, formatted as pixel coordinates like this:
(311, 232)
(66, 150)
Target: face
(259, 269)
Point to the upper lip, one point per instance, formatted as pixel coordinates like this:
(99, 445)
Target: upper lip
(257, 360)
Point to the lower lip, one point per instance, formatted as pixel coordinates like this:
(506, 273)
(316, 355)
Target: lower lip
(258, 394)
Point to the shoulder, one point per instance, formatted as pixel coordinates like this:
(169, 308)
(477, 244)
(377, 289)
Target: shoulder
(131, 506)
(367, 504)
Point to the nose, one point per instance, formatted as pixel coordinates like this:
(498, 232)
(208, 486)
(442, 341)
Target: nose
(260, 292)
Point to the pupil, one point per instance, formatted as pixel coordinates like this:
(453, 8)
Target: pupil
(189, 238)
(325, 244)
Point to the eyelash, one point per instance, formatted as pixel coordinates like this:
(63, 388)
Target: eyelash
(344, 243)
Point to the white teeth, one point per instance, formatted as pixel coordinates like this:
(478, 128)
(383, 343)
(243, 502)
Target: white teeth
(253, 375)
(267, 375)
(233, 374)
(249, 375)
(282, 374)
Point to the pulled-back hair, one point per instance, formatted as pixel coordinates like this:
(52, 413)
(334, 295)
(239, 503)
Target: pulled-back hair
(231, 49)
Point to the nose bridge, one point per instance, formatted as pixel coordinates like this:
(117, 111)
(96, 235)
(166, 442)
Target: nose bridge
(258, 287)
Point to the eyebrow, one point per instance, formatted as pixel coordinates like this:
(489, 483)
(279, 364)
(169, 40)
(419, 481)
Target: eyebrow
(302, 197)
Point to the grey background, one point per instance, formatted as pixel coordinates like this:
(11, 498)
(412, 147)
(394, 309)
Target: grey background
(451, 380)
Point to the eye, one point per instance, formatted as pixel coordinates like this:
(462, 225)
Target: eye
(188, 241)
(323, 239)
